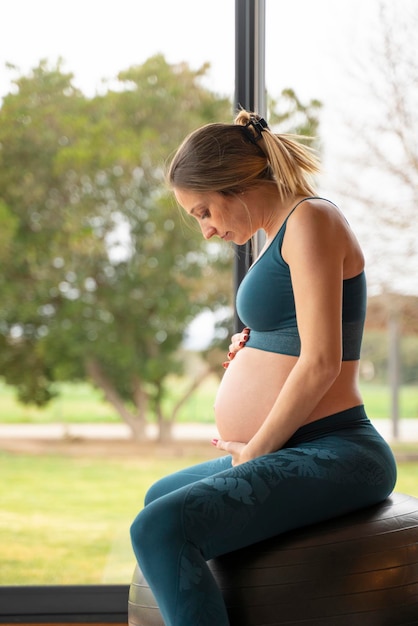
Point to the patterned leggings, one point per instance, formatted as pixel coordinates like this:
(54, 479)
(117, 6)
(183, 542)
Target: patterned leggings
(328, 468)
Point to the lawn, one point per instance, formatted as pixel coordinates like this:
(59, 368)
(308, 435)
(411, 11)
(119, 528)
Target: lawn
(65, 520)
(81, 403)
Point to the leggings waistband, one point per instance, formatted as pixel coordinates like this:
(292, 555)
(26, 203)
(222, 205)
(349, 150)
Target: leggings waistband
(348, 419)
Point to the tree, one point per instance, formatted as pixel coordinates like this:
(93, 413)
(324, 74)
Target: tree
(97, 276)
(290, 115)
(385, 180)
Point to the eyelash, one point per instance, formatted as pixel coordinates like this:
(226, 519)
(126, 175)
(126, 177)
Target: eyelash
(204, 214)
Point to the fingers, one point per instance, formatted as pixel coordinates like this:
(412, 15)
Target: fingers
(238, 341)
(218, 443)
(241, 337)
(222, 445)
(245, 334)
(234, 448)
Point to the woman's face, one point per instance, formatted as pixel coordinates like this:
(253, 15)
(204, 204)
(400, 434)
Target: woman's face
(218, 215)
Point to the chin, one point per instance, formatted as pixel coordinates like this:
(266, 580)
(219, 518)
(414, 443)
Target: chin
(238, 241)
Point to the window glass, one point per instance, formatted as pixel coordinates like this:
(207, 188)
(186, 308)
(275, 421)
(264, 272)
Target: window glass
(72, 479)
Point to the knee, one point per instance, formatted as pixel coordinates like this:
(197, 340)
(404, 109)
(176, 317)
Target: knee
(160, 488)
(153, 493)
(142, 529)
(156, 524)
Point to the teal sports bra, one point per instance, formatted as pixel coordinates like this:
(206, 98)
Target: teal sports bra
(265, 304)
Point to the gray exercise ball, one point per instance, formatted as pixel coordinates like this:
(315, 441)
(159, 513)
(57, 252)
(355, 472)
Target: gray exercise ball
(360, 568)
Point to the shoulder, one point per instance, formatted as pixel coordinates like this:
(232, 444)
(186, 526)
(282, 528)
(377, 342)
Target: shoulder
(313, 210)
(318, 221)
(318, 235)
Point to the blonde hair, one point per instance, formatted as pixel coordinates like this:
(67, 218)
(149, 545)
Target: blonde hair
(229, 158)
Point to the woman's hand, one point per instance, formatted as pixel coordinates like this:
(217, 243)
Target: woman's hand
(238, 342)
(234, 448)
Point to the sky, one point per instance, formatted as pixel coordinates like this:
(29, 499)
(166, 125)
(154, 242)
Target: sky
(98, 38)
(312, 46)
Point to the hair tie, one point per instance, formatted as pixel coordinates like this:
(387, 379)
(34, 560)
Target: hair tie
(259, 125)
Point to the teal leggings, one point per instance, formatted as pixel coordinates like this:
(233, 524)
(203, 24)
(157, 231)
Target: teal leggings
(328, 468)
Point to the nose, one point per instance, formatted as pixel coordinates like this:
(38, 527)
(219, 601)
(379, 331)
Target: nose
(208, 231)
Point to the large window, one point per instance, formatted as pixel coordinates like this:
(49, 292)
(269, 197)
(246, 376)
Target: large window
(71, 479)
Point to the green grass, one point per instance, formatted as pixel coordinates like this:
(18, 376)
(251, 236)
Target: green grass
(76, 403)
(377, 400)
(66, 520)
(408, 478)
(81, 403)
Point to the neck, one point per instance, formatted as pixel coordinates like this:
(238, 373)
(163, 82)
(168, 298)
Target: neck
(277, 212)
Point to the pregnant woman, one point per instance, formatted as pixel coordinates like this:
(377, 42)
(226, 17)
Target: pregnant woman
(299, 446)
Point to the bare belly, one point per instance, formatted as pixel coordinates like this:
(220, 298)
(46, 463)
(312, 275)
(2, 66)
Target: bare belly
(252, 383)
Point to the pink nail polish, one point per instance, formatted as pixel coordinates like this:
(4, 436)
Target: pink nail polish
(214, 441)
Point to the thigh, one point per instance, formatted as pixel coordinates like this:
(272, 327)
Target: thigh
(186, 477)
(282, 491)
